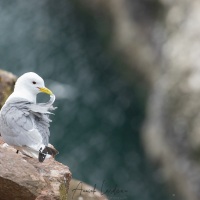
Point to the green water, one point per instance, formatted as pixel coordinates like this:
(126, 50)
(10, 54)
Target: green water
(97, 124)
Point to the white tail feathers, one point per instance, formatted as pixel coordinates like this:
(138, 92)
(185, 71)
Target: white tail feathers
(44, 152)
(28, 151)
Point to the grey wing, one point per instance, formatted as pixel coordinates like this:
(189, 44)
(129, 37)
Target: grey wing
(17, 126)
(41, 113)
(42, 124)
(17, 120)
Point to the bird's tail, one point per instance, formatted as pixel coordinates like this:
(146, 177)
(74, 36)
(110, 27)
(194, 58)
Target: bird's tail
(28, 151)
(44, 152)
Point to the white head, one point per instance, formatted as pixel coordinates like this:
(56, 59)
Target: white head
(29, 85)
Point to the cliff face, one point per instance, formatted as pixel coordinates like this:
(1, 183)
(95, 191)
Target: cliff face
(160, 41)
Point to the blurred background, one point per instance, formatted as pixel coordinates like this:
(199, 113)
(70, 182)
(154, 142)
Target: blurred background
(101, 100)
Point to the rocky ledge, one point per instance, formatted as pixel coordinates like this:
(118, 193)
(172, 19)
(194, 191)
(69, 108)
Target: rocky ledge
(24, 178)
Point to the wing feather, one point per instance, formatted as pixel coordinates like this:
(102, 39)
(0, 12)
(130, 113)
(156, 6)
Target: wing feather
(24, 124)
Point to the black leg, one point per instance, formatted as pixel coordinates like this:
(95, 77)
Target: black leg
(17, 151)
(42, 155)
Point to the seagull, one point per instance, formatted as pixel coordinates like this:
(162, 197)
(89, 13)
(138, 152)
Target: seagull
(24, 123)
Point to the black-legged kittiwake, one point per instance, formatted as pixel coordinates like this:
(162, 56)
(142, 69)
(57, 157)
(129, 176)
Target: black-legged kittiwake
(24, 124)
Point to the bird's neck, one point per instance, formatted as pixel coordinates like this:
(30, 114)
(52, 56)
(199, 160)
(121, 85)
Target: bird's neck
(25, 94)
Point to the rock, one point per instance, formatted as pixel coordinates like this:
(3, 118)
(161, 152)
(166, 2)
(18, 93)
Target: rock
(7, 81)
(26, 178)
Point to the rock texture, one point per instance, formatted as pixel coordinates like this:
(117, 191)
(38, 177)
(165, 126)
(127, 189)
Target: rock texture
(24, 178)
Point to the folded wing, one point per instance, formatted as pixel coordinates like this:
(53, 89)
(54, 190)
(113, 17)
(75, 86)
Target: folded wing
(25, 124)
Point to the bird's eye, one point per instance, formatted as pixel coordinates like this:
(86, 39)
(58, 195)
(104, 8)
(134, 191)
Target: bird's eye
(34, 82)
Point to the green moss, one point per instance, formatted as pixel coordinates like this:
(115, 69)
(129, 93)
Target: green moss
(63, 191)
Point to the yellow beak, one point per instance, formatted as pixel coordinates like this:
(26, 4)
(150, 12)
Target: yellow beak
(46, 90)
